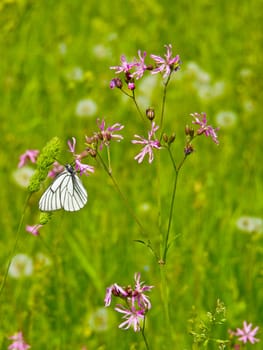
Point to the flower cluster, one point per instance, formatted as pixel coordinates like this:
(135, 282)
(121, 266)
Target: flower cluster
(137, 303)
(135, 69)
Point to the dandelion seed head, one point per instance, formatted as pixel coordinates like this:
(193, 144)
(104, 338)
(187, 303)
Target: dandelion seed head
(98, 320)
(86, 108)
(101, 51)
(250, 224)
(226, 119)
(23, 175)
(21, 266)
(75, 74)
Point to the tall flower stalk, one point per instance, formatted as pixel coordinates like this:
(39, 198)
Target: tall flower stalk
(149, 145)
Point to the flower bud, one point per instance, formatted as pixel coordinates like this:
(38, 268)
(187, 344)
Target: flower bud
(189, 131)
(92, 152)
(116, 83)
(150, 113)
(165, 138)
(131, 85)
(171, 138)
(188, 149)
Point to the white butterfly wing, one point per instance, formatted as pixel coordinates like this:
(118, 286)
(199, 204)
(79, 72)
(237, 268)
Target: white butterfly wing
(73, 195)
(66, 192)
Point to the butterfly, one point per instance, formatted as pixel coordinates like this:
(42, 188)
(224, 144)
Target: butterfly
(66, 192)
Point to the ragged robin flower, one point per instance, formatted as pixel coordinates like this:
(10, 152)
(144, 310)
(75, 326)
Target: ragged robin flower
(137, 303)
(149, 144)
(167, 64)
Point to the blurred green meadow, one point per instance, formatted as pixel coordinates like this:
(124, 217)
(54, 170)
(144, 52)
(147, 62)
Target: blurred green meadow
(55, 54)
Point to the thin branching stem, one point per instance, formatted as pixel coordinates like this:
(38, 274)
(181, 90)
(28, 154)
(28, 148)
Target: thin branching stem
(137, 106)
(135, 102)
(166, 238)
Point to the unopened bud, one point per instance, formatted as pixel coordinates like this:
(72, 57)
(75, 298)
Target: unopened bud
(171, 138)
(116, 83)
(150, 113)
(165, 138)
(189, 131)
(92, 152)
(131, 85)
(188, 149)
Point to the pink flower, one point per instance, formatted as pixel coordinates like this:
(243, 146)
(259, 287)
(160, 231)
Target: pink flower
(125, 67)
(107, 134)
(137, 303)
(140, 66)
(83, 168)
(34, 230)
(133, 317)
(116, 291)
(208, 130)
(30, 155)
(149, 143)
(57, 168)
(80, 167)
(138, 293)
(167, 64)
(72, 145)
(18, 342)
(247, 334)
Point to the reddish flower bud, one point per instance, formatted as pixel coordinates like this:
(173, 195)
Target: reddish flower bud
(150, 113)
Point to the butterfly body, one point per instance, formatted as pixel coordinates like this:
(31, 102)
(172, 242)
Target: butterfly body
(66, 192)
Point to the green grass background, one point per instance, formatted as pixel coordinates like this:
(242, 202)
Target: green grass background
(95, 247)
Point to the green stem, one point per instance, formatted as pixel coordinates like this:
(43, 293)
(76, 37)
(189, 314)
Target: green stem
(135, 102)
(165, 302)
(164, 99)
(166, 238)
(144, 336)
(15, 245)
(137, 106)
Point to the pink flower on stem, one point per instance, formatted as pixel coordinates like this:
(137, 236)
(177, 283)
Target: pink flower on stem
(72, 145)
(205, 129)
(140, 66)
(149, 143)
(167, 64)
(18, 342)
(125, 66)
(30, 155)
(57, 168)
(83, 168)
(133, 317)
(247, 334)
(116, 291)
(137, 303)
(34, 230)
(138, 293)
(80, 167)
(107, 134)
